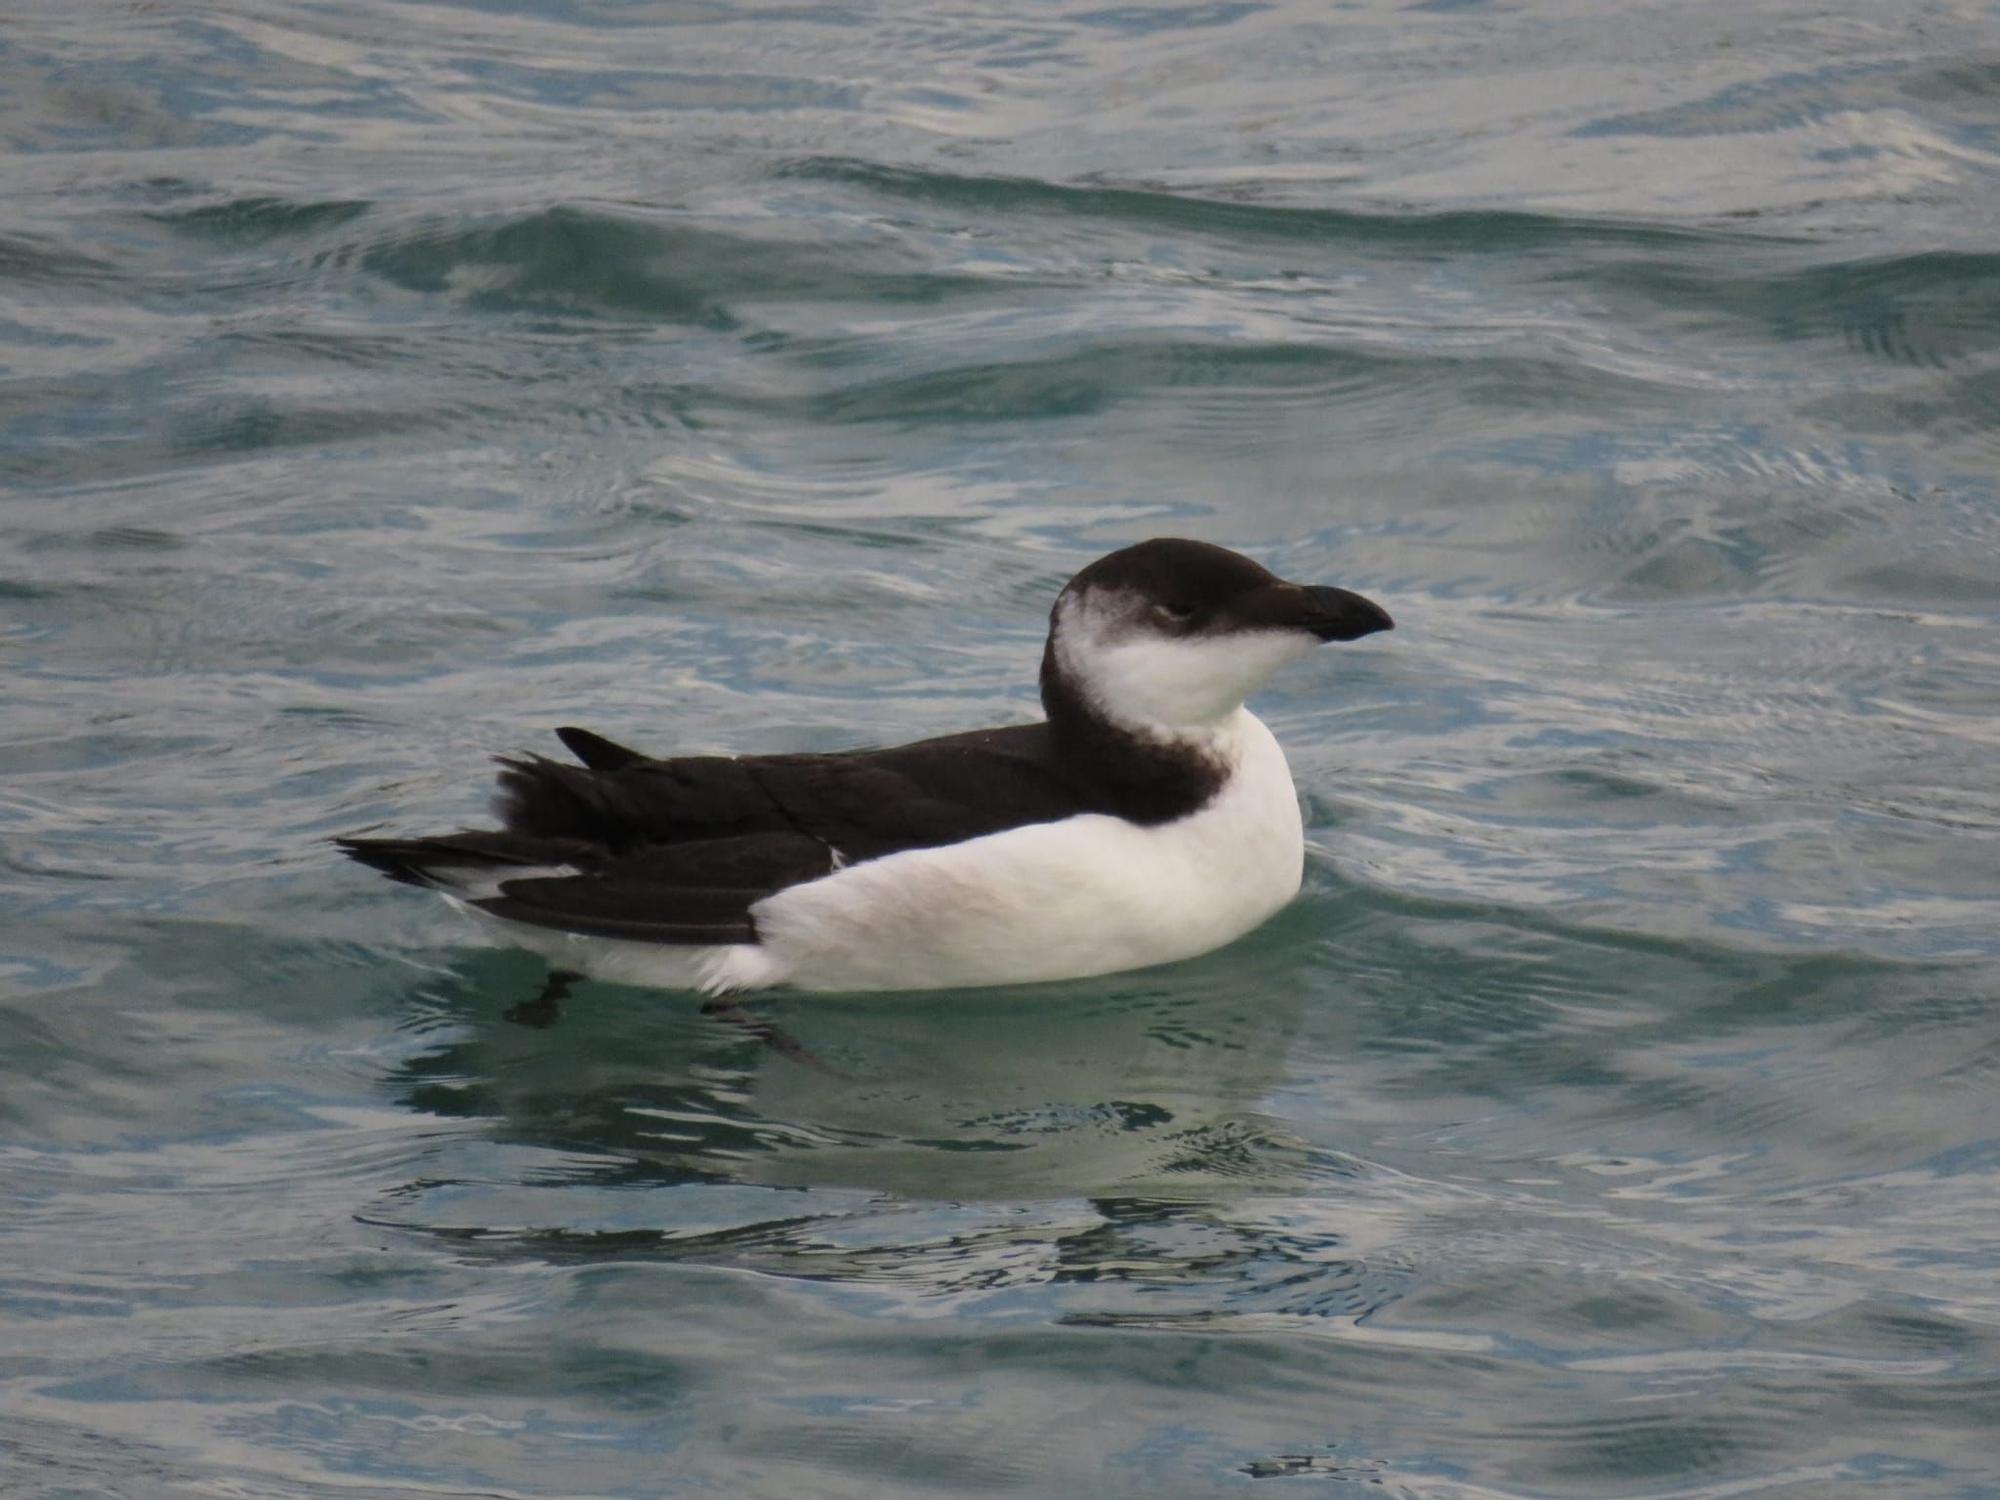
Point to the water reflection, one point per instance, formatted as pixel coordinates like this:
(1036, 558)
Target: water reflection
(1141, 1088)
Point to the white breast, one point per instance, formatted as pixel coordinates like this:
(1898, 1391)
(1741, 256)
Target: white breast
(1087, 895)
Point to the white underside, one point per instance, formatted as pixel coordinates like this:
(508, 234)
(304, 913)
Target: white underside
(1086, 895)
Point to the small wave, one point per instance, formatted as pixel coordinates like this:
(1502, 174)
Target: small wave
(1933, 308)
(1249, 377)
(259, 220)
(598, 261)
(1459, 231)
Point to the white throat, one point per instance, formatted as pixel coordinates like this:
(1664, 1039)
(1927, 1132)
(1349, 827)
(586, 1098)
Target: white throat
(1178, 687)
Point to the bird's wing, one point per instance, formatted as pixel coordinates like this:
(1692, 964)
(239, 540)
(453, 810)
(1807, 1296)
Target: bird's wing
(615, 906)
(864, 804)
(679, 851)
(696, 891)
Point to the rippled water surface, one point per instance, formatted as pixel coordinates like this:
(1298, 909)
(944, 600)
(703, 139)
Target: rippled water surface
(1617, 1113)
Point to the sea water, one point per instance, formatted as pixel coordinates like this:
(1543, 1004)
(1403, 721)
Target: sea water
(1617, 1113)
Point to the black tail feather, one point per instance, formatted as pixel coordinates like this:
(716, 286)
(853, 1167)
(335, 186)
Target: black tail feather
(419, 861)
(396, 858)
(544, 798)
(595, 751)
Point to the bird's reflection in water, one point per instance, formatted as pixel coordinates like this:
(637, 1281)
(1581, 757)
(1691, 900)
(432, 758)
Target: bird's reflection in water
(1104, 1140)
(1139, 1083)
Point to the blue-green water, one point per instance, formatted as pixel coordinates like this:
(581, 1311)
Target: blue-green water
(1616, 1114)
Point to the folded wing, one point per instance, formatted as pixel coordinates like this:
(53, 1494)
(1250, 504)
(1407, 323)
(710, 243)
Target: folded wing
(679, 851)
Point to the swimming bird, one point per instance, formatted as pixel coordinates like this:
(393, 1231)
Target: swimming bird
(1149, 817)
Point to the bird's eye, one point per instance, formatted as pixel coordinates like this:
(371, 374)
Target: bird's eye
(1178, 609)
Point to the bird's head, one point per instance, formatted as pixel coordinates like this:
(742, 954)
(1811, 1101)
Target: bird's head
(1172, 635)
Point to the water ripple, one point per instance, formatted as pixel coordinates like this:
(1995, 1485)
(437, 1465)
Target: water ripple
(381, 385)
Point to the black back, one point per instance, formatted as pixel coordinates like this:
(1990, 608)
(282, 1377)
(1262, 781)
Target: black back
(679, 850)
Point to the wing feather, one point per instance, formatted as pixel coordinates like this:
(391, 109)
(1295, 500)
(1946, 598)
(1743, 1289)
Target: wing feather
(641, 910)
(678, 851)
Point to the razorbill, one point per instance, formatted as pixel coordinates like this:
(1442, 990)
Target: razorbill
(1150, 817)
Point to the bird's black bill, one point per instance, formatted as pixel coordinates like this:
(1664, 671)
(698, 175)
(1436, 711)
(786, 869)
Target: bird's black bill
(1329, 613)
(1342, 615)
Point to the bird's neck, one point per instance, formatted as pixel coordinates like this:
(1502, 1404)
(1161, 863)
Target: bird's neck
(1151, 773)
